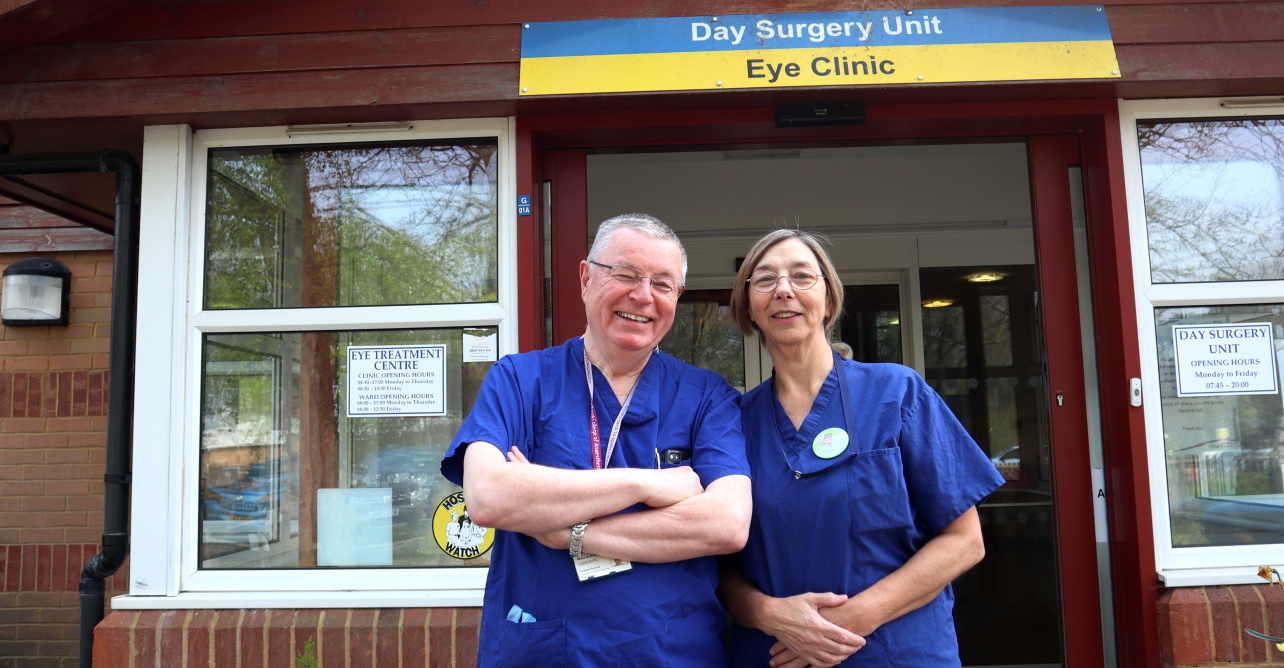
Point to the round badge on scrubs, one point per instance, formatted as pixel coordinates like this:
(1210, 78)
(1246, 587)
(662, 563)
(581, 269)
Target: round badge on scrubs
(829, 443)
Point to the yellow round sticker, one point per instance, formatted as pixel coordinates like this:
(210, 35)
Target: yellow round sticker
(455, 531)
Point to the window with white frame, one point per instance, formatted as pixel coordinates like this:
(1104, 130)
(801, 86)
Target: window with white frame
(1206, 205)
(345, 296)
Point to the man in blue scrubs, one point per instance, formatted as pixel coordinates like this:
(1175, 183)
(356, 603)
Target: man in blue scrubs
(614, 474)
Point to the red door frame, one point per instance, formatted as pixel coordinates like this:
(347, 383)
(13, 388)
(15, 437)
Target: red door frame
(567, 172)
(547, 144)
(1050, 158)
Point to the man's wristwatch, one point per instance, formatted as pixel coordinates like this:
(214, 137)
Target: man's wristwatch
(577, 539)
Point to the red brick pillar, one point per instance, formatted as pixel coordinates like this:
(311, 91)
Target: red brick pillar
(1204, 626)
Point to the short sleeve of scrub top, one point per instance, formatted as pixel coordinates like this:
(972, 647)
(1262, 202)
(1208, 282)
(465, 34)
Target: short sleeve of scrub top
(494, 419)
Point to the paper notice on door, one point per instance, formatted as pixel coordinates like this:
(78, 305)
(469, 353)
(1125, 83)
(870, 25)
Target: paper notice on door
(481, 345)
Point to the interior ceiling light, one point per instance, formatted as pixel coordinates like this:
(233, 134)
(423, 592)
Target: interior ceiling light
(937, 303)
(986, 277)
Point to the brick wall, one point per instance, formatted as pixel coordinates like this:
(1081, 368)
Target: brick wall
(53, 405)
(1199, 627)
(371, 638)
(1204, 626)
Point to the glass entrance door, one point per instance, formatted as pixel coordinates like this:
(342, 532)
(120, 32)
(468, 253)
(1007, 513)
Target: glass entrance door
(1006, 354)
(982, 353)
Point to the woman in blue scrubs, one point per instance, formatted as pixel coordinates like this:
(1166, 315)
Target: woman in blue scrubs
(864, 487)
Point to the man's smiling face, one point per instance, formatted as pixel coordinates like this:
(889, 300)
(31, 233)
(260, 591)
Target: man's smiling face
(630, 318)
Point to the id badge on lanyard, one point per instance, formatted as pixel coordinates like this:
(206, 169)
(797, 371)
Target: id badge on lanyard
(591, 566)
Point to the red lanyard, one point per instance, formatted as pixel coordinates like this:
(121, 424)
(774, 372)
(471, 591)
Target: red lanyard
(595, 437)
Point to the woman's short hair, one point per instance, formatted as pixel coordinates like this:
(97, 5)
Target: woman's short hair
(641, 222)
(833, 284)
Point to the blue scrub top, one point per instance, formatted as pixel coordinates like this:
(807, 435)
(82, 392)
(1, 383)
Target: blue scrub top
(654, 615)
(847, 522)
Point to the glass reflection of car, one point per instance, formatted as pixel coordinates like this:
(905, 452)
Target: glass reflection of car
(250, 499)
(408, 472)
(1232, 496)
(1249, 519)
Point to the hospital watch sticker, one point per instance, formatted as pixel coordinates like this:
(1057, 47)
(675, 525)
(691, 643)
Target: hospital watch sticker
(456, 533)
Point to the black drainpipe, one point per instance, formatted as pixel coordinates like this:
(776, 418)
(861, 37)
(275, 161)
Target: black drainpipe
(120, 385)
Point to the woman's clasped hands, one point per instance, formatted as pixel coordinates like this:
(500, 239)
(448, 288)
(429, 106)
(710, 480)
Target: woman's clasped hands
(805, 637)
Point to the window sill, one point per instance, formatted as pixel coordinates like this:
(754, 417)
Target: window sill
(1204, 577)
(457, 598)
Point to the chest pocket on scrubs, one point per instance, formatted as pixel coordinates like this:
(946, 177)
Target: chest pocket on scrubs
(877, 493)
(554, 446)
(532, 644)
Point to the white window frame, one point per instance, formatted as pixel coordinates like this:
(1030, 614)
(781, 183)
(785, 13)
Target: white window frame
(164, 572)
(1182, 566)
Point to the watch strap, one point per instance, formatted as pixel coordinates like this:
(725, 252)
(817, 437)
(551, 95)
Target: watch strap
(577, 539)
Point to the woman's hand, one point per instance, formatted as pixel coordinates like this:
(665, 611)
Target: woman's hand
(853, 615)
(804, 636)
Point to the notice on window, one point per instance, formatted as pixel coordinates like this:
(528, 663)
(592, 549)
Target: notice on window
(481, 345)
(1224, 359)
(354, 527)
(396, 380)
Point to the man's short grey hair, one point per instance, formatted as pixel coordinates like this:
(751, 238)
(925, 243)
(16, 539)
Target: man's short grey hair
(648, 225)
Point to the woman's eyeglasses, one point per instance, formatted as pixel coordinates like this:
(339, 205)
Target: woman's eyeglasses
(767, 281)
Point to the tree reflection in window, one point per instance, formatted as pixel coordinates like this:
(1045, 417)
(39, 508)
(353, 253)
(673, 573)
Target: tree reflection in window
(345, 226)
(1214, 198)
(705, 335)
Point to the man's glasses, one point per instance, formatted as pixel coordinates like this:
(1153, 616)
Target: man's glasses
(767, 281)
(663, 286)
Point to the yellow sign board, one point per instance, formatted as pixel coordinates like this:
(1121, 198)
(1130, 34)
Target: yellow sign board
(822, 49)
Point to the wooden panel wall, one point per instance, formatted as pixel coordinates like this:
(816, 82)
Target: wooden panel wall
(26, 229)
(1194, 46)
(163, 59)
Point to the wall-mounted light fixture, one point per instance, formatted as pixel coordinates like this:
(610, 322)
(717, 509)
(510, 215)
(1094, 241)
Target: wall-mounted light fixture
(36, 291)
